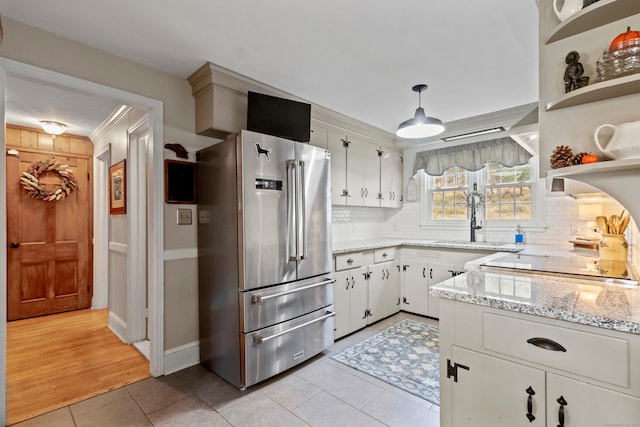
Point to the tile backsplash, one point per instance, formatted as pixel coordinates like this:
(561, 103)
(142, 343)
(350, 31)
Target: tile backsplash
(562, 224)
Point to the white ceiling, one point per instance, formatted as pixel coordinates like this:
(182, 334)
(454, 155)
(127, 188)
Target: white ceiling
(357, 57)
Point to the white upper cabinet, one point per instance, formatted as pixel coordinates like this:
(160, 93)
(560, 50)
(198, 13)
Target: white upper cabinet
(390, 179)
(319, 136)
(363, 173)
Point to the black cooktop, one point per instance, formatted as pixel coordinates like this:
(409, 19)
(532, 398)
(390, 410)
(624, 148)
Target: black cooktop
(585, 267)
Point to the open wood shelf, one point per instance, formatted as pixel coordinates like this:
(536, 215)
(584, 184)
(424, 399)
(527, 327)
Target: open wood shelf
(599, 91)
(598, 14)
(606, 166)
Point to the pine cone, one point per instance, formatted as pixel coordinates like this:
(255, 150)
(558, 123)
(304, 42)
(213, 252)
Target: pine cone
(577, 159)
(561, 157)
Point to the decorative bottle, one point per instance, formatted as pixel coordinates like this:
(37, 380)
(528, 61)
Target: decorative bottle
(519, 235)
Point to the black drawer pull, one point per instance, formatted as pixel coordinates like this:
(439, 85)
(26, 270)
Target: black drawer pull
(546, 343)
(562, 403)
(529, 414)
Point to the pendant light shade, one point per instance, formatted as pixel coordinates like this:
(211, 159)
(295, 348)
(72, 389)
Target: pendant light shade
(420, 126)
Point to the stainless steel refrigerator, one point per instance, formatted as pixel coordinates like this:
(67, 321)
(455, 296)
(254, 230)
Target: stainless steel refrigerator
(264, 256)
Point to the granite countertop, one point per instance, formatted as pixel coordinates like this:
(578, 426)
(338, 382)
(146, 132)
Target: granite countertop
(587, 302)
(368, 244)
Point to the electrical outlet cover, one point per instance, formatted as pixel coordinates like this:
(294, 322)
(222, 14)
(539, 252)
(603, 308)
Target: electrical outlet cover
(184, 217)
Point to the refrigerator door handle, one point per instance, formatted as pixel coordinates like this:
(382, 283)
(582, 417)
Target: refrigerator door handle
(302, 208)
(259, 298)
(259, 340)
(292, 226)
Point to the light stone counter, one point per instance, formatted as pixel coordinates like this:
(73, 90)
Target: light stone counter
(369, 244)
(586, 302)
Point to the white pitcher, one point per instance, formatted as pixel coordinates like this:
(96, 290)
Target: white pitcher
(569, 7)
(624, 143)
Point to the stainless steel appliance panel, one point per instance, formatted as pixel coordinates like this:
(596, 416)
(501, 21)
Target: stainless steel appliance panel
(276, 304)
(267, 222)
(315, 200)
(218, 270)
(269, 351)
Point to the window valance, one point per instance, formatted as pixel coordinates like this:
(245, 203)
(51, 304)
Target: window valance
(472, 157)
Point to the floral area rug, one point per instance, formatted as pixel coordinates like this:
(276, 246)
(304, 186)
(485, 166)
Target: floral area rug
(406, 355)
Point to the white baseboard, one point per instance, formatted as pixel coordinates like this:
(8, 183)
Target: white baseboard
(181, 357)
(118, 326)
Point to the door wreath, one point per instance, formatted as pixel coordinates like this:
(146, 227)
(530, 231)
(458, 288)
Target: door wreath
(30, 181)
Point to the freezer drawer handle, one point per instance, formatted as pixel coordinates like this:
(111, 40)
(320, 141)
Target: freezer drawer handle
(255, 299)
(259, 340)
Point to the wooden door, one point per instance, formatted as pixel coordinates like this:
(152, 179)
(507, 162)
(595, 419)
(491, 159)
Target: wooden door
(49, 254)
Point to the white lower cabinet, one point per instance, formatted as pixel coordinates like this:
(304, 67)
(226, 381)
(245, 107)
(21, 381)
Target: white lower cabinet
(424, 268)
(581, 404)
(493, 392)
(520, 383)
(496, 392)
(367, 292)
(350, 301)
(415, 296)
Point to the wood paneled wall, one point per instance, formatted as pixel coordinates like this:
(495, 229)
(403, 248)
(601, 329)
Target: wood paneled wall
(20, 137)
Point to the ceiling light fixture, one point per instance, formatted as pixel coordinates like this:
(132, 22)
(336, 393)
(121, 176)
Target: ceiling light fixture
(470, 134)
(420, 126)
(53, 128)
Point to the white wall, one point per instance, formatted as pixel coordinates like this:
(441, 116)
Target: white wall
(33, 46)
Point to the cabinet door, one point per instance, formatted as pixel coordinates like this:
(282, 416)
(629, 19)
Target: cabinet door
(341, 303)
(415, 298)
(319, 136)
(391, 179)
(493, 392)
(358, 299)
(437, 273)
(393, 295)
(339, 195)
(377, 286)
(588, 405)
(363, 173)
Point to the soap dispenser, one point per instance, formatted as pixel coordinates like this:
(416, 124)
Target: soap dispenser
(519, 235)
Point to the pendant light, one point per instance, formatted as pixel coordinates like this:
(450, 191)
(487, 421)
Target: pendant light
(420, 126)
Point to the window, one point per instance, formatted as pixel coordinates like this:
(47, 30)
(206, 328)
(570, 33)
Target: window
(510, 195)
(507, 192)
(449, 194)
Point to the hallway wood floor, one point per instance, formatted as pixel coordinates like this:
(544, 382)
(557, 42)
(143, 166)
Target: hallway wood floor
(54, 361)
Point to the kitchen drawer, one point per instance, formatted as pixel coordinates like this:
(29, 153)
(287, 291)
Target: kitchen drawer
(272, 350)
(276, 304)
(599, 357)
(353, 260)
(382, 255)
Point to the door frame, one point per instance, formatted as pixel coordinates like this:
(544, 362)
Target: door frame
(101, 163)
(155, 214)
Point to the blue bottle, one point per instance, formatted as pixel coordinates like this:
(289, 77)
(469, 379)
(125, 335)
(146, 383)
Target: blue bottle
(519, 235)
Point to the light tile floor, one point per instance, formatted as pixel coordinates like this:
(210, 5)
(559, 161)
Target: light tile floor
(320, 392)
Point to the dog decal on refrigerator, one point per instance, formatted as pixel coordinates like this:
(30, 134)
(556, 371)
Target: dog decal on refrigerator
(262, 151)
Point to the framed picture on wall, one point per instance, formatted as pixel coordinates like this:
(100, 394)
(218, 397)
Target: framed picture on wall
(179, 182)
(118, 188)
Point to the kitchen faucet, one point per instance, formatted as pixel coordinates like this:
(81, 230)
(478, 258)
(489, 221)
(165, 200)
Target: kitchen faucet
(474, 226)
